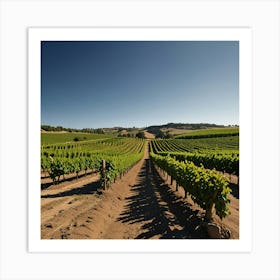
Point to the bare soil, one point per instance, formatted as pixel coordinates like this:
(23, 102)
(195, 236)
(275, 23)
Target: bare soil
(176, 131)
(140, 205)
(149, 135)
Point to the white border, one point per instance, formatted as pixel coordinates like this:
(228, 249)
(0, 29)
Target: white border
(243, 35)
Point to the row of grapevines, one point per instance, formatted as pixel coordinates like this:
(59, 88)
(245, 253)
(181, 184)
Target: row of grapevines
(199, 136)
(207, 188)
(230, 143)
(228, 162)
(117, 147)
(119, 157)
(58, 167)
(116, 166)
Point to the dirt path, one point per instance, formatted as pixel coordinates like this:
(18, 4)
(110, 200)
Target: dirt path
(147, 210)
(140, 205)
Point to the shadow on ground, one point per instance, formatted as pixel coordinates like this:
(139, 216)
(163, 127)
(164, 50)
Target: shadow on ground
(69, 179)
(90, 188)
(165, 216)
(234, 190)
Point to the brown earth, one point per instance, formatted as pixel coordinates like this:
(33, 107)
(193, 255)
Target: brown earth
(139, 205)
(176, 131)
(149, 135)
(61, 131)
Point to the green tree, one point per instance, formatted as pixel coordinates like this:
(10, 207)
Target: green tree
(140, 134)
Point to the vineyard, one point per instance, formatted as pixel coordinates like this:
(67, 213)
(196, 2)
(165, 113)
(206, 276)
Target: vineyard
(221, 154)
(119, 155)
(195, 165)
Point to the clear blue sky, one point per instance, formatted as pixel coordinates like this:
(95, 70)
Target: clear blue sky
(138, 83)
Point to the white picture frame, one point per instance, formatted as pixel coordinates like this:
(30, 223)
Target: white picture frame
(242, 35)
(261, 17)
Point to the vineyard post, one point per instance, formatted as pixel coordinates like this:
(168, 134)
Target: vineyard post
(104, 173)
(209, 210)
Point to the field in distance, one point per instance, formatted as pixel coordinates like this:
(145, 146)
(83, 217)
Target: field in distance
(48, 138)
(212, 132)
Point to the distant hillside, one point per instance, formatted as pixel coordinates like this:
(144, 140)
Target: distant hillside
(171, 129)
(191, 126)
(154, 131)
(209, 133)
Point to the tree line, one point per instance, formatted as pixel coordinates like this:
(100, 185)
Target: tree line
(61, 128)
